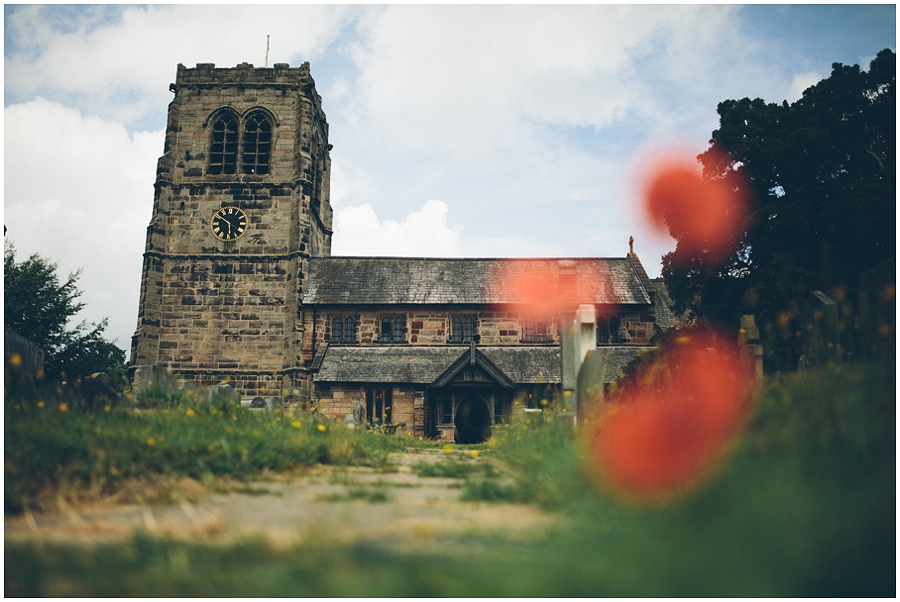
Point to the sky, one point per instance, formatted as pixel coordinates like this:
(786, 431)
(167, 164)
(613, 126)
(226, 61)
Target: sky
(458, 130)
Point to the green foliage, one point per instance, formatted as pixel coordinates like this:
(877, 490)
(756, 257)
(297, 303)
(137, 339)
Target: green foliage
(820, 177)
(38, 307)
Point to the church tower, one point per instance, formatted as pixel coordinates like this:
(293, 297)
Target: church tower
(241, 203)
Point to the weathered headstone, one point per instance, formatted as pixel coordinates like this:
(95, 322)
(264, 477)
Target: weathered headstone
(149, 375)
(579, 341)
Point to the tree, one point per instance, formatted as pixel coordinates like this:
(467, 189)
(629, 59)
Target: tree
(38, 307)
(820, 179)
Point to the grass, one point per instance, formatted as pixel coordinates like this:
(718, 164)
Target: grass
(372, 494)
(53, 449)
(804, 506)
(454, 469)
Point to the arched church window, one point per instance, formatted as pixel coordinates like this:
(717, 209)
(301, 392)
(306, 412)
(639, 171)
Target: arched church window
(602, 330)
(349, 330)
(614, 330)
(393, 329)
(223, 145)
(463, 329)
(257, 144)
(337, 330)
(399, 327)
(470, 329)
(456, 332)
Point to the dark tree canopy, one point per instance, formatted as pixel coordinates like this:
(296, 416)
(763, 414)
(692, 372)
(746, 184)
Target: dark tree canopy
(38, 307)
(820, 178)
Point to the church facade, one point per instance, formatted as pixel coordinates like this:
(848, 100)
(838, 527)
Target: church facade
(239, 284)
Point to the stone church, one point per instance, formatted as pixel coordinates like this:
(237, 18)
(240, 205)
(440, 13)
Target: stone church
(239, 284)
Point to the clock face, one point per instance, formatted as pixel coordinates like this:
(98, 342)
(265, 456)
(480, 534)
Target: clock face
(228, 223)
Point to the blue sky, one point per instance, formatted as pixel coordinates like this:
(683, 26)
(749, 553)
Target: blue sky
(491, 131)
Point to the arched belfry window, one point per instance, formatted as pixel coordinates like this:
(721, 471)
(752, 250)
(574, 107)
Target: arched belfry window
(240, 145)
(223, 145)
(257, 144)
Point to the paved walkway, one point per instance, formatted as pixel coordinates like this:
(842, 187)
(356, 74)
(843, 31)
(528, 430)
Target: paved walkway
(328, 504)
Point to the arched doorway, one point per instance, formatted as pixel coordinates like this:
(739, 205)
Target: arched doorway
(473, 420)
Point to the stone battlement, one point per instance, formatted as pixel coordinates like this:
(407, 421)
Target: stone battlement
(243, 74)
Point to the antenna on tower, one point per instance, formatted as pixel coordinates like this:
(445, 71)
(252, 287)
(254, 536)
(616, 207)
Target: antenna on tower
(267, 51)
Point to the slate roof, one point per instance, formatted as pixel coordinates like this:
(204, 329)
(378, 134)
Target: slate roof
(665, 317)
(414, 281)
(616, 358)
(423, 365)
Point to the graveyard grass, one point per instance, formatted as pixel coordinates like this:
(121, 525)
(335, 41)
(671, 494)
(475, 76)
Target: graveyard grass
(805, 505)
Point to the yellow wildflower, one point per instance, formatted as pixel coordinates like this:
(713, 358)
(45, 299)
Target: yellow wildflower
(474, 453)
(63, 407)
(190, 412)
(448, 448)
(41, 403)
(106, 408)
(296, 424)
(321, 428)
(150, 441)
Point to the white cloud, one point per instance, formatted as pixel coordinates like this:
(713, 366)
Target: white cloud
(424, 233)
(801, 82)
(474, 81)
(121, 67)
(79, 191)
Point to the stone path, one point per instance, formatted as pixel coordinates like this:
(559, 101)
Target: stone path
(328, 504)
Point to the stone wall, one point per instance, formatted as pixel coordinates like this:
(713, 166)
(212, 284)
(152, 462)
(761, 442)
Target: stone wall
(335, 401)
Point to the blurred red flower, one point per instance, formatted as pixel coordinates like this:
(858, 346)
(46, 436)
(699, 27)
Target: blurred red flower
(668, 430)
(701, 214)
